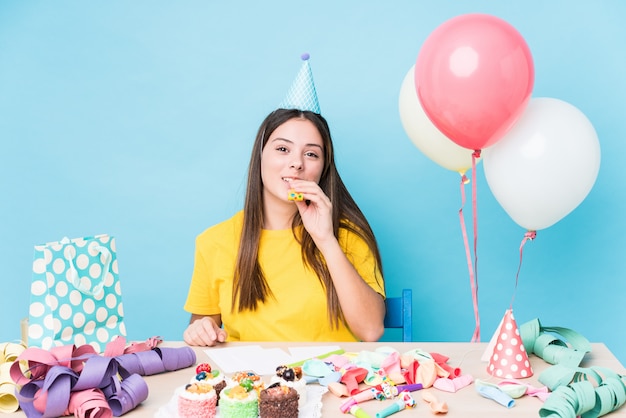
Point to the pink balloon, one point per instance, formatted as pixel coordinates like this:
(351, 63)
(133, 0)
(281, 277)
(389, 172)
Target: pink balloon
(474, 77)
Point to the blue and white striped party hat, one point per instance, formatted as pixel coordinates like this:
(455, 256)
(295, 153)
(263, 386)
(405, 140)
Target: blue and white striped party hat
(302, 94)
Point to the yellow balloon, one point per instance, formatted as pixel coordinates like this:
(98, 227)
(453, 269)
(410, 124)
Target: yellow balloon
(425, 136)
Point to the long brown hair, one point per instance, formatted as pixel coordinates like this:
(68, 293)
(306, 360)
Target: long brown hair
(250, 286)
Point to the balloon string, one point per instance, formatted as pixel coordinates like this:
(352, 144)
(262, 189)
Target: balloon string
(468, 255)
(475, 155)
(530, 235)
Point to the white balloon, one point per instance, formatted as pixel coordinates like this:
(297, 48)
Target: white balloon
(425, 135)
(546, 165)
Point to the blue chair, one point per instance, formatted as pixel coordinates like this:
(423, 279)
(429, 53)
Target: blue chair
(400, 314)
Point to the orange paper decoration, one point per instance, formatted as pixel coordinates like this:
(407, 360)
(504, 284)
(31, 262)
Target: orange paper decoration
(509, 359)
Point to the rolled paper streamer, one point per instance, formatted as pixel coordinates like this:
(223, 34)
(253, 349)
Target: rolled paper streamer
(96, 370)
(397, 406)
(5, 373)
(133, 391)
(9, 352)
(27, 396)
(157, 360)
(174, 358)
(115, 347)
(8, 401)
(54, 397)
(497, 395)
(358, 412)
(557, 375)
(89, 403)
(136, 347)
(574, 400)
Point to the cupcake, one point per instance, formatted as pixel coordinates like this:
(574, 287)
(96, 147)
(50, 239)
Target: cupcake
(206, 375)
(278, 401)
(292, 377)
(239, 401)
(197, 401)
(238, 377)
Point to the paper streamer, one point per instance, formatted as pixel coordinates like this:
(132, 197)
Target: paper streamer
(9, 352)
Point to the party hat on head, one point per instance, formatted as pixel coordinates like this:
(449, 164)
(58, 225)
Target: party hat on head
(302, 94)
(509, 359)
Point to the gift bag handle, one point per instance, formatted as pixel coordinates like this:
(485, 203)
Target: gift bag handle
(73, 272)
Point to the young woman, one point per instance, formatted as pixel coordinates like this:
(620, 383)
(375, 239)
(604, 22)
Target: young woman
(285, 270)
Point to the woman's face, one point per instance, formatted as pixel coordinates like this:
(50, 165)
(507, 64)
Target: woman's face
(295, 150)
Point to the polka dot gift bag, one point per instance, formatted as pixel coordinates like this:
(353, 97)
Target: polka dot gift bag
(75, 294)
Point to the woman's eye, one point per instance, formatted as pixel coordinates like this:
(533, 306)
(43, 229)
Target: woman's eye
(311, 154)
(281, 149)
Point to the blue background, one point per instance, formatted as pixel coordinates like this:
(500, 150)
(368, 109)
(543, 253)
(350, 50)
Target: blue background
(137, 118)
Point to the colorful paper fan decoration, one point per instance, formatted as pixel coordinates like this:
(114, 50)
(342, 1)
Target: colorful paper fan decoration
(508, 358)
(302, 94)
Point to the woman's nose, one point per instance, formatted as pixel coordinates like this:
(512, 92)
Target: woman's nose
(296, 163)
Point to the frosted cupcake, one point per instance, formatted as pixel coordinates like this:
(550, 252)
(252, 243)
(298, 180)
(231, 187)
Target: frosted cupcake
(238, 377)
(239, 401)
(206, 375)
(197, 401)
(292, 377)
(278, 401)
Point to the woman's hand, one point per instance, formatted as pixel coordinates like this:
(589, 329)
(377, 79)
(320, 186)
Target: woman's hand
(315, 210)
(204, 331)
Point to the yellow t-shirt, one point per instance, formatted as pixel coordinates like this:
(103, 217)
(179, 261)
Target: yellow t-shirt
(298, 310)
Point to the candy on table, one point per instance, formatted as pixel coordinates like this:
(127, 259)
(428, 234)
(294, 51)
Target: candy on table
(203, 367)
(195, 388)
(290, 374)
(205, 372)
(252, 376)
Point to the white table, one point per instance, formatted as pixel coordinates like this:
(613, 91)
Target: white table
(464, 403)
